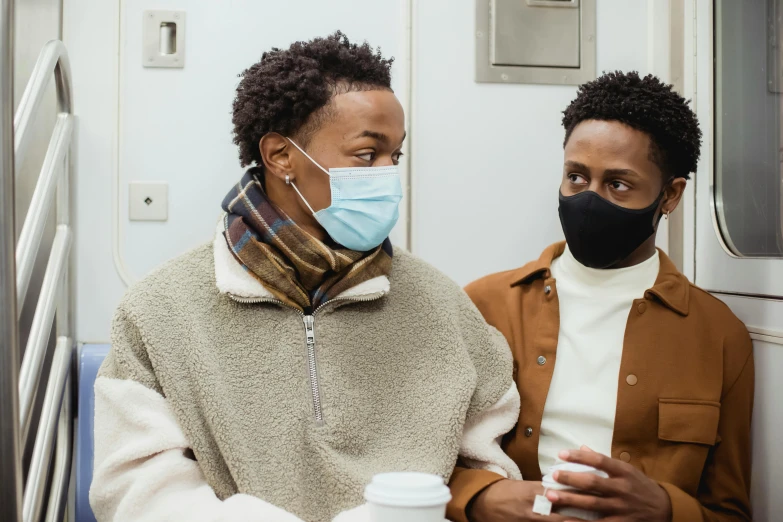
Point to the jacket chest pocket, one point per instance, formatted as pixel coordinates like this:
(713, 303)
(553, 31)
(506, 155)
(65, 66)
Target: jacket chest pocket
(687, 431)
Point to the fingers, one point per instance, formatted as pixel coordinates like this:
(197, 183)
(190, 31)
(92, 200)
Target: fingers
(586, 482)
(554, 517)
(587, 502)
(590, 458)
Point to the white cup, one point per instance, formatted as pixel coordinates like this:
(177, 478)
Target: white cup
(549, 483)
(408, 497)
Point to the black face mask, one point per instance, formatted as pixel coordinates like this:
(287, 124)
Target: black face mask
(600, 233)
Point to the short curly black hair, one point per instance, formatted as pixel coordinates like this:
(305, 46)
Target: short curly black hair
(287, 90)
(648, 105)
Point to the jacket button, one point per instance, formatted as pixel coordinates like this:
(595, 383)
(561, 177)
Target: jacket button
(528, 432)
(541, 360)
(642, 307)
(625, 456)
(631, 379)
(547, 289)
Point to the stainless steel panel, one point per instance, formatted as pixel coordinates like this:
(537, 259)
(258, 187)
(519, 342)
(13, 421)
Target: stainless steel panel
(535, 35)
(527, 67)
(10, 462)
(775, 46)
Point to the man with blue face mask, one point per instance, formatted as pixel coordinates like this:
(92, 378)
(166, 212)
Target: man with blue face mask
(268, 375)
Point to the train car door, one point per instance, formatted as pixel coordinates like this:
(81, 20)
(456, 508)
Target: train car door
(736, 210)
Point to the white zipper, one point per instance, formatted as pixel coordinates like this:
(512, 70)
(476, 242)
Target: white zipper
(309, 324)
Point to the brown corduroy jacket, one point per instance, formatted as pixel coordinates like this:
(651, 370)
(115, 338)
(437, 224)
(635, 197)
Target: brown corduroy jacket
(685, 391)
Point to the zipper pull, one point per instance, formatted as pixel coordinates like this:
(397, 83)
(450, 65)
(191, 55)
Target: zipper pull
(309, 322)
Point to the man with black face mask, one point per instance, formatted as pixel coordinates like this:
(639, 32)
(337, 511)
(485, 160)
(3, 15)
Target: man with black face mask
(622, 365)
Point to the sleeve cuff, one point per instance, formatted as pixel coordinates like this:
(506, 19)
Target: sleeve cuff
(465, 485)
(685, 508)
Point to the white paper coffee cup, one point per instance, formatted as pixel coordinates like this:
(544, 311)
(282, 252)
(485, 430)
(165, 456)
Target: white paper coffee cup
(549, 483)
(409, 497)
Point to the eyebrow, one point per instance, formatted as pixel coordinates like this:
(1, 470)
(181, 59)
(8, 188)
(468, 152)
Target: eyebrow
(576, 165)
(611, 172)
(622, 172)
(377, 135)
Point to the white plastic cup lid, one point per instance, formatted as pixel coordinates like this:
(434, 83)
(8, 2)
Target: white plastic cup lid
(407, 489)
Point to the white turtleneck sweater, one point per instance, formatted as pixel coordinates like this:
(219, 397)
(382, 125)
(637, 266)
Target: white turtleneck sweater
(594, 308)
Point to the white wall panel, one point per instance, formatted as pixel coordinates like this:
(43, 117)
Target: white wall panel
(767, 425)
(488, 158)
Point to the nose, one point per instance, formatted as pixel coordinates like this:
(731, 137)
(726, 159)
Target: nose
(597, 186)
(384, 160)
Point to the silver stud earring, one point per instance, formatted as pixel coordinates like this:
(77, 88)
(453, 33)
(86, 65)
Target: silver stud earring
(287, 179)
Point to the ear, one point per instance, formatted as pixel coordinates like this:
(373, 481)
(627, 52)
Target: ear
(276, 153)
(672, 195)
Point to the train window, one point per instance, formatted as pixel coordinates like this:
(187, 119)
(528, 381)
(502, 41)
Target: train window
(748, 184)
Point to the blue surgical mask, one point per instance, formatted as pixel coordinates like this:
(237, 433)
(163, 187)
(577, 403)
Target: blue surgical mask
(365, 204)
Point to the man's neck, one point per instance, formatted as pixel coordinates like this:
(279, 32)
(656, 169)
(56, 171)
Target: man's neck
(645, 251)
(285, 198)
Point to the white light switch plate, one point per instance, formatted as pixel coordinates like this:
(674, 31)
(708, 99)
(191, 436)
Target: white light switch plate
(149, 201)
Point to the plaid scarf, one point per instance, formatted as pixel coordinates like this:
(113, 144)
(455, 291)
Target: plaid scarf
(297, 268)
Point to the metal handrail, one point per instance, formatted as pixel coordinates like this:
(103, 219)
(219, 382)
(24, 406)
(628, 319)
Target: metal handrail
(52, 61)
(15, 274)
(37, 214)
(44, 441)
(62, 461)
(30, 374)
(53, 58)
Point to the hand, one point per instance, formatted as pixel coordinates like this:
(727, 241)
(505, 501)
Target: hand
(628, 495)
(509, 501)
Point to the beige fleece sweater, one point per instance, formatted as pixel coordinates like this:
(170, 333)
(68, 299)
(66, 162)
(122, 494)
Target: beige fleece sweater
(218, 403)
